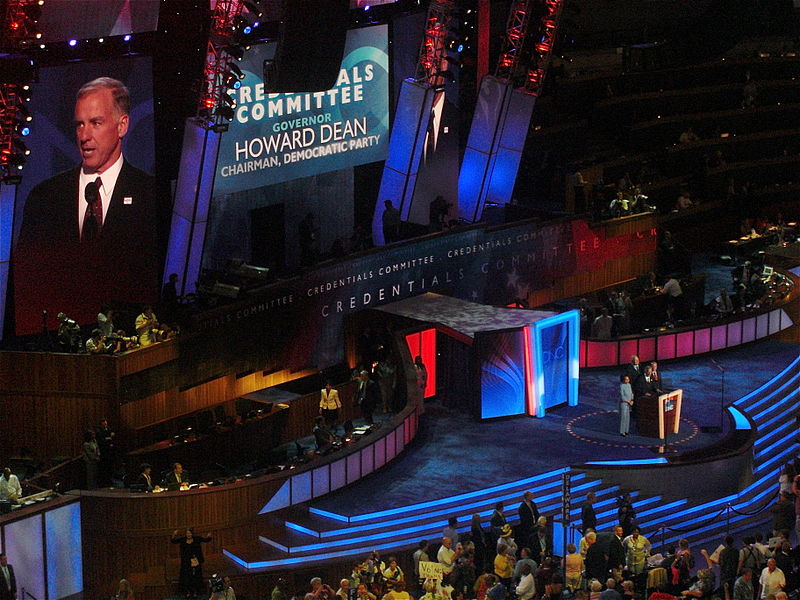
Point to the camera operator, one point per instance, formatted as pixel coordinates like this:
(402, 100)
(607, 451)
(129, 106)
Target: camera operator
(148, 329)
(221, 588)
(68, 334)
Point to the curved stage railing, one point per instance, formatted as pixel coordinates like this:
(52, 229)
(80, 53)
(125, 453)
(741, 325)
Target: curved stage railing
(697, 339)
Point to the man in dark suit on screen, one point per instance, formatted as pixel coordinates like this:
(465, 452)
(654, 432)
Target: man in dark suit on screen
(88, 235)
(8, 582)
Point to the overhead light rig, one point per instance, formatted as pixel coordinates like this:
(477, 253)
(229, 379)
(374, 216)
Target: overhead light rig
(19, 35)
(514, 39)
(543, 49)
(432, 64)
(233, 26)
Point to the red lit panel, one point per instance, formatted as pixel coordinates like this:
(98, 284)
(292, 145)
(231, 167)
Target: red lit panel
(602, 354)
(391, 450)
(685, 344)
(666, 346)
(719, 337)
(734, 333)
(647, 349)
(582, 360)
(702, 341)
(423, 344)
(628, 348)
(399, 439)
(762, 326)
(380, 453)
(748, 330)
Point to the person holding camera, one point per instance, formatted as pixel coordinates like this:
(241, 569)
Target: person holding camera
(147, 328)
(221, 588)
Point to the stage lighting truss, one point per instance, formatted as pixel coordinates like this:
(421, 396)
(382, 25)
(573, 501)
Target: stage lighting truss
(432, 64)
(542, 51)
(14, 120)
(20, 23)
(232, 24)
(514, 39)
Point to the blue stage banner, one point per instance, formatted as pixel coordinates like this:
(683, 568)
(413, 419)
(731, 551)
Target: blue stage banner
(279, 137)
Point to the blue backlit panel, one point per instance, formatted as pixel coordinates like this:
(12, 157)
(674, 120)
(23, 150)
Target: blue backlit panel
(64, 559)
(25, 550)
(338, 474)
(556, 361)
(501, 356)
(762, 326)
(321, 480)
(301, 487)
(405, 152)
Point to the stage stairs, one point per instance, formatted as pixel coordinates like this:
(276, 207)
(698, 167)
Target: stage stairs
(306, 535)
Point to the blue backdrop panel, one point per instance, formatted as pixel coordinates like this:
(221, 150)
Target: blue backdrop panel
(190, 209)
(64, 560)
(405, 152)
(502, 369)
(24, 545)
(516, 121)
(492, 98)
(8, 194)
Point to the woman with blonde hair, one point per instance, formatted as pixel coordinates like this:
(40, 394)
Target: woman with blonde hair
(573, 567)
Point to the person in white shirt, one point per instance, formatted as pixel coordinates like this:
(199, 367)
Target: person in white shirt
(526, 589)
(447, 556)
(10, 489)
(772, 579)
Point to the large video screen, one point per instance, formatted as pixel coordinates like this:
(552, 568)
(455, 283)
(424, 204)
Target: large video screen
(280, 137)
(71, 256)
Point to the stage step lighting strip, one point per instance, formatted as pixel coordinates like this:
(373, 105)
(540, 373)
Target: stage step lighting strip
(756, 492)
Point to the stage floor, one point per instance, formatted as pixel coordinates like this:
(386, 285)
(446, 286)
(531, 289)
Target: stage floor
(453, 453)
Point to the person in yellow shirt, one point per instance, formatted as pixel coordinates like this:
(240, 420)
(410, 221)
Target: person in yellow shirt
(398, 593)
(393, 574)
(504, 565)
(329, 405)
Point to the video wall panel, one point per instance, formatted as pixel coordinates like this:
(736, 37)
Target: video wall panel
(57, 265)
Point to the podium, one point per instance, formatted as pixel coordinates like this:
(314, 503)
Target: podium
(658, 416)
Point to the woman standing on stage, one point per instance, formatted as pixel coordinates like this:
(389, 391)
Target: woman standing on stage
(625, 404)
(191, 576)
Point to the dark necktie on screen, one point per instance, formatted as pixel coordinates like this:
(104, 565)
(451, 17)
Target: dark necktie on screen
(93, 217)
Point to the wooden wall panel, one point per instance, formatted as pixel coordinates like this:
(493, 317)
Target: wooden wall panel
(50, 426)
(173, 403)
(582, 283)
